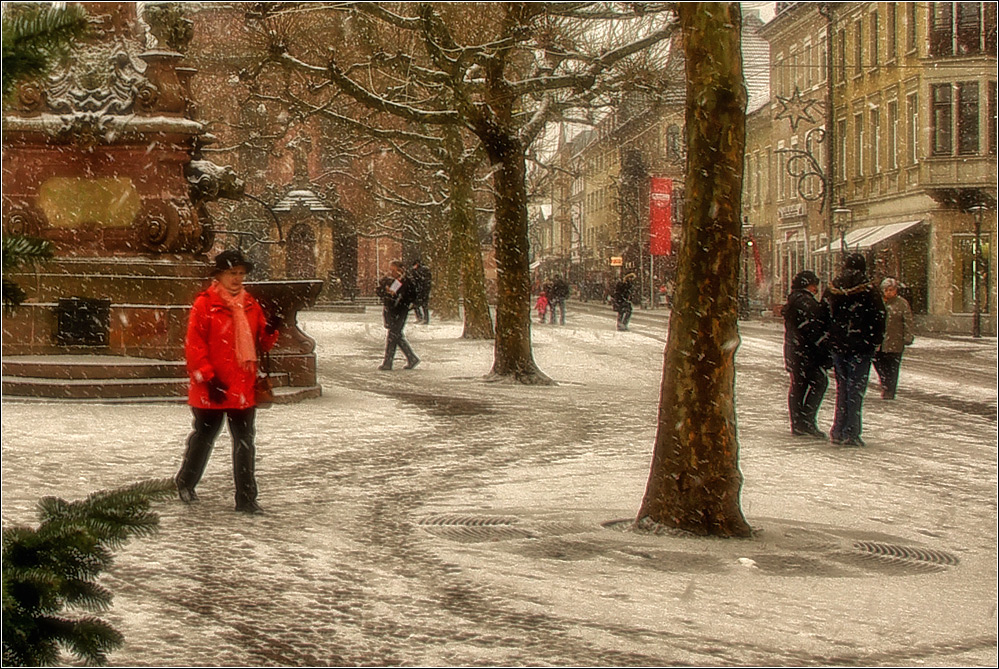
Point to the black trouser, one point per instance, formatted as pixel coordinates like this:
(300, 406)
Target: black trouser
(623, 316)
(808, 387)
(396, 339)
(557, 305)
(207, 423)
(887, 366)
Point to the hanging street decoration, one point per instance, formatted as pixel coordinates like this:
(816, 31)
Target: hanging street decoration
(795, 109)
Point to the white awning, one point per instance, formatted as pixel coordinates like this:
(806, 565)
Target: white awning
(864, 239)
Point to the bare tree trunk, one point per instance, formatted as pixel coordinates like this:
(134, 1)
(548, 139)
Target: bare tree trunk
(512, 357)
(465, 240)
(695, 482)
(445, 267)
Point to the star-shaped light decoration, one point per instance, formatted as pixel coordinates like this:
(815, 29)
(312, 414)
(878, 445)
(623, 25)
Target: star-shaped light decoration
(795, 109)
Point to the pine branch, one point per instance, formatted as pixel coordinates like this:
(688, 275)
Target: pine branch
(35, 38)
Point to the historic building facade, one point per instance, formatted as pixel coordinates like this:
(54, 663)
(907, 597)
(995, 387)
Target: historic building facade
(899, 102)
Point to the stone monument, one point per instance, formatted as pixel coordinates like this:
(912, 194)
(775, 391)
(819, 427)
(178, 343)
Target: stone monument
(103, 160)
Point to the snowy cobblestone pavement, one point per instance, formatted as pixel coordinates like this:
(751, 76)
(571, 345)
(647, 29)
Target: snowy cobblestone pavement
(426, 517)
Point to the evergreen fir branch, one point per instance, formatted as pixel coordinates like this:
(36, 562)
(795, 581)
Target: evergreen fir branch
(55, 565)
(35, 37)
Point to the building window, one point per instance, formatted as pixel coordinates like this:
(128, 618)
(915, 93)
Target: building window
(912, 138)
(962, 28)
(875, 141)
(892, 143)
(993, 120)
(858, 145)
(841, 150)
(911, 27)
(841, 70)
(858, 47)
(875, 55)
(967, 118)
(891, 38)
(823, 64)
(941, 114)
(967, 283)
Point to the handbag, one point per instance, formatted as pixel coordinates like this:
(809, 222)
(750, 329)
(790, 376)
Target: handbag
(263, 388)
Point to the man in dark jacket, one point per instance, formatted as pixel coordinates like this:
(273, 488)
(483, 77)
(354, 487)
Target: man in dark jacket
(621, 301)
(856, 329)
(806, 353)
(557, 297)
(422, 280)
(397, 295)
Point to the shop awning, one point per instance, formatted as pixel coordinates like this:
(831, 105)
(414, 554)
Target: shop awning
(865, 239)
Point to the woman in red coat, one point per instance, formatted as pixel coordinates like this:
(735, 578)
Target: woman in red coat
(226, 331)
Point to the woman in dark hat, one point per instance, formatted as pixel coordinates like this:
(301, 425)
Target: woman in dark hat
(806, 353)
(226, 331)
(856, 329)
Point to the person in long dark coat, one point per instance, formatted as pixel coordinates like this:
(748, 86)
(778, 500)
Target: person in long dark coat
(422, 283)
(621, 300)
(806, 353)
(397, 294)
(557, 297)
(856, 329)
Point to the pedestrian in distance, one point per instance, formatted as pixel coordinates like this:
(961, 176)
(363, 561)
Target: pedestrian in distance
(397, 294)
(856, 328)
(226, 331)
(806, 353)
(542, 306)
(557, 297)
(422, 283)
(898, 335)
(621, 300)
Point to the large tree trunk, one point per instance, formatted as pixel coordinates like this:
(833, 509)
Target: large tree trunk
(695, 482)
(512, 357)
(465, 240)
(446, 284)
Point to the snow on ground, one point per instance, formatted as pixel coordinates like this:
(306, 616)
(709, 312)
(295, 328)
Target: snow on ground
(427, 517)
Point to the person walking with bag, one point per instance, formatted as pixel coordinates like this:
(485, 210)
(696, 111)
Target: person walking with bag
(397, 294)
(856, 328)
(898, 335)
(226, 332)
(806, 353)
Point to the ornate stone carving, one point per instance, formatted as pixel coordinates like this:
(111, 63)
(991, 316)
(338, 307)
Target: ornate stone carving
(20, 218)
(210, 182)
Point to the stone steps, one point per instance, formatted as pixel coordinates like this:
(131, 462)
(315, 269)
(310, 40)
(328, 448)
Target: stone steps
(114, 379)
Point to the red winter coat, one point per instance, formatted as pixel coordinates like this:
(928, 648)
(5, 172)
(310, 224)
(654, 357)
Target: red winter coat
(210, 349)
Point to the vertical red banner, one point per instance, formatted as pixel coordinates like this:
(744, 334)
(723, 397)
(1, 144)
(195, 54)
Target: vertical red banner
(660, 216)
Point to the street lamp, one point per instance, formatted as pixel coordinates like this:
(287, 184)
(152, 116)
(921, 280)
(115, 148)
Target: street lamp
(839, 213)
(976, 323)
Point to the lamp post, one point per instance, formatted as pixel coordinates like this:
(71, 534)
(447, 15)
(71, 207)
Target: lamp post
(840, 213)
(978, 210)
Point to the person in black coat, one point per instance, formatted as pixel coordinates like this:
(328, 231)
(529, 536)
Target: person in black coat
(557, 297)
(856, 329)
(621, 300)
(397, 294)
(806, 353)
(422, 281)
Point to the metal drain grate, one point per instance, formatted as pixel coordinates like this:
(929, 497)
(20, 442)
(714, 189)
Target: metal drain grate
(906, 553)
(469, 521)
(473, 529)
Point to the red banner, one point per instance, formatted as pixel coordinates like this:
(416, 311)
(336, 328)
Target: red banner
(660, 216)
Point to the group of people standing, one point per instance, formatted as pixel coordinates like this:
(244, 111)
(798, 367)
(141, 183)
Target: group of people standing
(855, 324)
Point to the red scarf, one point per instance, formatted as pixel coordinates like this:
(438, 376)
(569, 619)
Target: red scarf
(246, 351)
